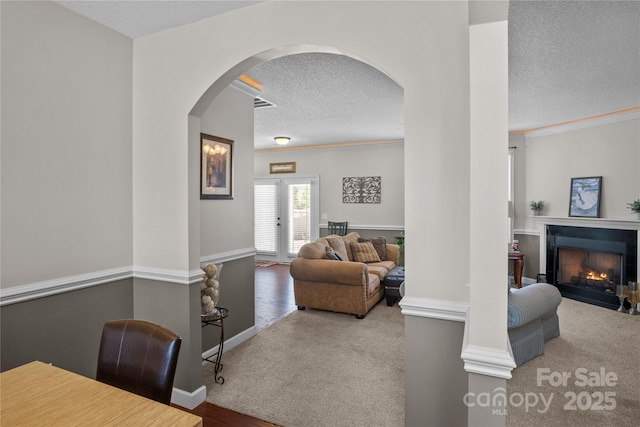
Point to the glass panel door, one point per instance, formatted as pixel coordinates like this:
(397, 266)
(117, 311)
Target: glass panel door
(286, 217)
(266, 218)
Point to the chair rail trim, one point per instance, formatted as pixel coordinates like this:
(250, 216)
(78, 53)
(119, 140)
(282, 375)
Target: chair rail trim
(31, 291)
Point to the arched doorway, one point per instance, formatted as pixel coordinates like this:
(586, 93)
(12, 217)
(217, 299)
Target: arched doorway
(222, 206)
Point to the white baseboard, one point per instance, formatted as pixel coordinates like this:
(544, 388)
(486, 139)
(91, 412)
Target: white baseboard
(189, 400)
(232, 342)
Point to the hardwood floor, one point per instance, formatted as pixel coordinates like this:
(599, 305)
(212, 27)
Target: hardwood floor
(273, 300)
(215, 416)
(274, 294)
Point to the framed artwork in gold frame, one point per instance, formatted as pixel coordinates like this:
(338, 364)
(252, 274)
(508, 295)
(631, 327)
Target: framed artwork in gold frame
(282, 167)
(216, 167)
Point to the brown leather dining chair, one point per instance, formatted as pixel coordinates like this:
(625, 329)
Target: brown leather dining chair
(140, 357)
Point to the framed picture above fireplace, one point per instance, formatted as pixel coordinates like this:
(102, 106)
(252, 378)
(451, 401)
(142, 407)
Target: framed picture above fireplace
(585, 197)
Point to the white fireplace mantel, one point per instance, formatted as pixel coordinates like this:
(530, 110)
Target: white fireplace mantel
(618, 224)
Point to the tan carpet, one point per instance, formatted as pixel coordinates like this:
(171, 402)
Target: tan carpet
(315, 368)
(591, 338)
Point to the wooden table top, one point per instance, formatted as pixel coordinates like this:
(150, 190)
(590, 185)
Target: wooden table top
(41, 394)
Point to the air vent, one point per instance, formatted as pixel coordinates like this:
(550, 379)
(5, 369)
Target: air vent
(262, 103)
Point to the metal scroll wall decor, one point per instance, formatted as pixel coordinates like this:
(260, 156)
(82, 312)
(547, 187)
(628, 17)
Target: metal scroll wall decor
(365, 189)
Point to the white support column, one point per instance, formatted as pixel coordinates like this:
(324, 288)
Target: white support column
(486, 349)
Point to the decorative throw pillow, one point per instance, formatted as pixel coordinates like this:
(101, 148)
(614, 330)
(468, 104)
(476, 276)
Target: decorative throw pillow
(337, 244)
(331, 254)
(380, 243)
(364, 252)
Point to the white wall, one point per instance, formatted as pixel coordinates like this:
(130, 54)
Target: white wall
(66, 145)
(609, 150)
(333, 164)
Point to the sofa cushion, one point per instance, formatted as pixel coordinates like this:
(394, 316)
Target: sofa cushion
(348, 239)
(314, 250)
(531, 302)
(364, 252)
(337, 244)
(380, 243)
(378, 269)
(383, 265)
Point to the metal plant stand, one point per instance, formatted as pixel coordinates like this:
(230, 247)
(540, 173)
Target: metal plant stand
(216, 319)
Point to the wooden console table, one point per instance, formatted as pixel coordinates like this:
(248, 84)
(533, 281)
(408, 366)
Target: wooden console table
(518, 264)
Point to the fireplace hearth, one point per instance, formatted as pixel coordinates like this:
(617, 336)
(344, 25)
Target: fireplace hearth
(586, 263)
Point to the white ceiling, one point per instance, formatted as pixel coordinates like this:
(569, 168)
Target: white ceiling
(567, 60)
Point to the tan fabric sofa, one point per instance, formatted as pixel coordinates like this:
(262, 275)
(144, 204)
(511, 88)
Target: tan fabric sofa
(348, 285)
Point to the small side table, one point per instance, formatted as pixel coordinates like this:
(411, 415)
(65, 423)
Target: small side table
(518, 263)
(216, 319)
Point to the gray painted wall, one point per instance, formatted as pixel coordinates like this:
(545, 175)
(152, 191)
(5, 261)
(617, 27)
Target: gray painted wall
(63, 329)
(436, 379)
(236, 294)
(481, 413)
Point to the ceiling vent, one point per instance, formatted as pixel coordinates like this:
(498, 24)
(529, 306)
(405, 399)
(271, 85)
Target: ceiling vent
(262, 103)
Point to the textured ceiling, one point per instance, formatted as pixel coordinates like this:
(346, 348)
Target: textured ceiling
(567, 60)
(325, 98)
(572, 59)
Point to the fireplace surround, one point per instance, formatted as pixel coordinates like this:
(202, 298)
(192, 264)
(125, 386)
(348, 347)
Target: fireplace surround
(587, 258)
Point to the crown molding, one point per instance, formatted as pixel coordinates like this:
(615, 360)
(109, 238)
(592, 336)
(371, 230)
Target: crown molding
(327, 146)
(582, 123)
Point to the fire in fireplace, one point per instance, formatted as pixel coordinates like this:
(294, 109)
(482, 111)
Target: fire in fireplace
(587, 263)
(594, 270)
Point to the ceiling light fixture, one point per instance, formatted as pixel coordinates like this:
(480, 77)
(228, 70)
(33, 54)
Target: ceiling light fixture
(282, 140)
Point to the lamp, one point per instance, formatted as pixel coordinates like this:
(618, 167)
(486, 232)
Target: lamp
(282, 140)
